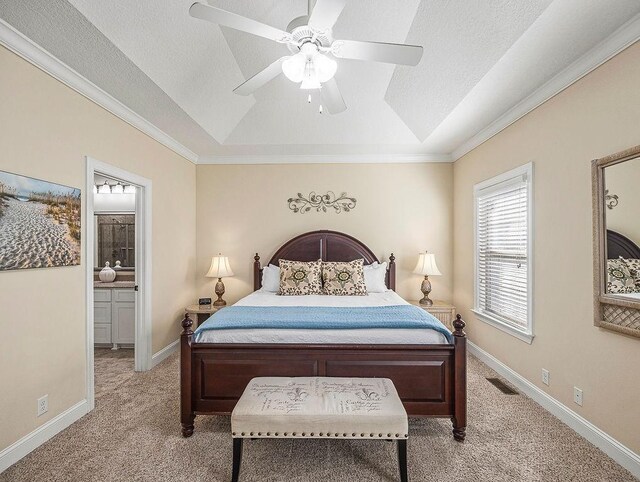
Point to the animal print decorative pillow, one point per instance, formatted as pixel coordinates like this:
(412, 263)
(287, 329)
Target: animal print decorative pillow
(620, 279)
(344, 279)
(300, 278)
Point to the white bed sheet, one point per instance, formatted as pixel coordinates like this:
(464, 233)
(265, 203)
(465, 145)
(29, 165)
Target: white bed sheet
(392, 336)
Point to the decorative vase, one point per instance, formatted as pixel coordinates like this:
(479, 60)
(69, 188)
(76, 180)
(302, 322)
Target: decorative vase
(107, 275)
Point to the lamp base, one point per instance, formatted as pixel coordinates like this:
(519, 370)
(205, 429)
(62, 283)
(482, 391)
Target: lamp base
(426, 289)
(219, 291)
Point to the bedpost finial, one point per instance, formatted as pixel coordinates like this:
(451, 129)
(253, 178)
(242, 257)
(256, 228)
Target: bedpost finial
(392, 258)
(186, 324)
(256, 257)
(459, 325)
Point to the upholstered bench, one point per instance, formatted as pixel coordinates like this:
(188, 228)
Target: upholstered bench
(320, 407)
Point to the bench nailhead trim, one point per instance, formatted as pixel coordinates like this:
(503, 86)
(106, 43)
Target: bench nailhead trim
(285, 434)
(388, 435)
(371, 435)
(321, 434)
(397, 435)
(259, 433)
(250, 433)
(312, 434)
(233, 433)
(268, 434)
(243, 434)
(293, 433)
(276, 434)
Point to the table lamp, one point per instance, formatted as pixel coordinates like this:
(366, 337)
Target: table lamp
(219, 269)
(426, 266)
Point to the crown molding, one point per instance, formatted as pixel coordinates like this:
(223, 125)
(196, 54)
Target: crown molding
(36, 55)
(625, 36)
(328, 159)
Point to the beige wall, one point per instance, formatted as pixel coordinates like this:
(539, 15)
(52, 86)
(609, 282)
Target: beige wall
(402, 208)
(46, 129)
(595, 117)
(624, 180)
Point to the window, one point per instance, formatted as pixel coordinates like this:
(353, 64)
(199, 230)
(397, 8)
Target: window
(503, 220)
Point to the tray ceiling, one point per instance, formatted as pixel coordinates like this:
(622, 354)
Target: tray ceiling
(481, 58)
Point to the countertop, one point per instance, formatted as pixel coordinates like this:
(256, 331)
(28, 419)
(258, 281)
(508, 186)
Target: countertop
(115, 284)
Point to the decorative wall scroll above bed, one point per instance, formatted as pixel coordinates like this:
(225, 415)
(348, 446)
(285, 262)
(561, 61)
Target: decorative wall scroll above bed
(322, 203)
(617, 242)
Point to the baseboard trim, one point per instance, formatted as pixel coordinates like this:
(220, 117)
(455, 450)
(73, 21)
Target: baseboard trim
(33, 440)
(164, 353)
(610, 446)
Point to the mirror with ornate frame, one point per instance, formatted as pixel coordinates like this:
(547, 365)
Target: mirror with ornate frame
(616, 239)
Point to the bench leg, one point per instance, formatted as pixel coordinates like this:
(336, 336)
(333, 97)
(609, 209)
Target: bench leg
(402, 460)
(237, 459)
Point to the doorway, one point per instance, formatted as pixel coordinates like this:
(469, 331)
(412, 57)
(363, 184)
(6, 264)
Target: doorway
(118, 247)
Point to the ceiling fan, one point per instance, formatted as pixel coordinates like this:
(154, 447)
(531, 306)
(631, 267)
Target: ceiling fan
(310, 41)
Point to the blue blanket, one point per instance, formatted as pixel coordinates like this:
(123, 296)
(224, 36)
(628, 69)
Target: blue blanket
(323, 318)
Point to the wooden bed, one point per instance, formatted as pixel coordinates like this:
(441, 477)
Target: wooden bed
(621, 246)
(431, 379)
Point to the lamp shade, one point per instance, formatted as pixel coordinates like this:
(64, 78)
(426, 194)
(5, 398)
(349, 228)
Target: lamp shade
(104, 188)
(219, 267)
(426, 265)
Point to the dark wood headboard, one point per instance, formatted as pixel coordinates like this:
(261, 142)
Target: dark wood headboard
(619, 245)
(327, 246)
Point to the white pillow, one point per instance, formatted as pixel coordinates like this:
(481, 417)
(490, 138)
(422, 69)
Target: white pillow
(374, 276)
(271, 278)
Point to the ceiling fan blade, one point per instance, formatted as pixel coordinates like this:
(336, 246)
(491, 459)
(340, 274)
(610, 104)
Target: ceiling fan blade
(238, 22)
(325, 13)
(332, 98)
(261, 78)
(377, 51)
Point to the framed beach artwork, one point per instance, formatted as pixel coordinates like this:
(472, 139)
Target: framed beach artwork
(39, 223)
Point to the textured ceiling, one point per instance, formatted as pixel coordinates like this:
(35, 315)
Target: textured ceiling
(481, 58)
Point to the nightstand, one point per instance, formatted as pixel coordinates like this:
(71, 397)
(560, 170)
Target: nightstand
(445, 312)
(202, 312)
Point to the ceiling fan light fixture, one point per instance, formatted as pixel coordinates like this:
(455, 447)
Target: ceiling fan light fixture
(310, 83)
(325, 67)
(293, 67)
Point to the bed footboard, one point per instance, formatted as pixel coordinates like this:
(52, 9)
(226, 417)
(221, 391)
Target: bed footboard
(430, 379)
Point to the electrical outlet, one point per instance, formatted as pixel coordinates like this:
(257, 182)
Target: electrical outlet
(43, 405)
(577, 396)
(545, 376)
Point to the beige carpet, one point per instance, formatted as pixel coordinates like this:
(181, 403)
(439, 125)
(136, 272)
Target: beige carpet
(134, 435)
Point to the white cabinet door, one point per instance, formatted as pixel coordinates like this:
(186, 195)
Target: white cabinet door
(123, 320)
(102, 312)
(102, 333)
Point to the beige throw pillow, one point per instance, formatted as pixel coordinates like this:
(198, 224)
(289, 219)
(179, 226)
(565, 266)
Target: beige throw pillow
(344, 279)
(300, 278)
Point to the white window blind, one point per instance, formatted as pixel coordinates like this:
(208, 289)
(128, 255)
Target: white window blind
(502, 249)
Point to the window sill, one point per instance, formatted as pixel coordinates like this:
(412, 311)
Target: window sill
(510, 330)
